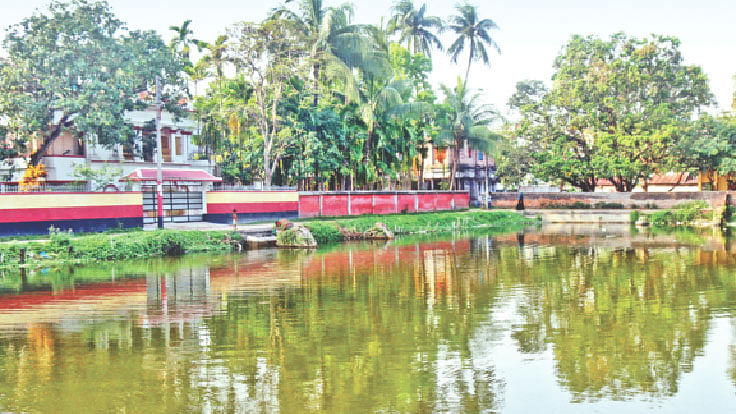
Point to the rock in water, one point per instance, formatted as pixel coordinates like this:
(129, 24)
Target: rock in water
(297, 236)
(379, 231)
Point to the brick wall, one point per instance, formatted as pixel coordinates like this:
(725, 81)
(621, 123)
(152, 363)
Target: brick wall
(638, 199)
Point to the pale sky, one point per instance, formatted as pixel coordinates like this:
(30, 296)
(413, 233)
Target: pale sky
(531, 33)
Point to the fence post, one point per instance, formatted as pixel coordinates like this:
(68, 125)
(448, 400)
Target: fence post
(396, 202)
(416, 202)
(320, 204)
(350, 204)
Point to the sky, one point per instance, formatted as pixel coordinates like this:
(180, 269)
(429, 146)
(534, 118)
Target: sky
(531, 32)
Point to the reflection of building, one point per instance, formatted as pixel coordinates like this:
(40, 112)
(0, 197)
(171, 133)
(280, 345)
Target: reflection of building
(476, 172)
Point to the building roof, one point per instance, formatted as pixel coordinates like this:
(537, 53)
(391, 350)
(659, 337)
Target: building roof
(661, 179)
(170, 174)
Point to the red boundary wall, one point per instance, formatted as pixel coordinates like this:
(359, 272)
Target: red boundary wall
(654, 199)
(316, 204)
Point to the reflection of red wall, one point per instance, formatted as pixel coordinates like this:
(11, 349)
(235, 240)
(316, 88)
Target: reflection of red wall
(80, 292)
(337, 264)
(336, 204)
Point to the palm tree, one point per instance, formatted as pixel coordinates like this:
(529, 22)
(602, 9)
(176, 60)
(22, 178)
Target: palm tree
(336, 43)
(473, 32)
(183, 40)
(215, 54)
(414, 27)
(466, 121)
(215, 57)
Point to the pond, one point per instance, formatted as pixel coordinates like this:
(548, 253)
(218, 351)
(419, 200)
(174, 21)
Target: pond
(549, 320)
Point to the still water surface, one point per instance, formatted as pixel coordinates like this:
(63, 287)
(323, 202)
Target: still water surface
(572, 321)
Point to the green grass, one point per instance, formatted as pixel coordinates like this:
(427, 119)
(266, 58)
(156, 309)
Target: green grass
(66, 247)
(47, 236)
(327, 230)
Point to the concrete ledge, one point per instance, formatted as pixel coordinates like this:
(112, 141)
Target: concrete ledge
(581, 216)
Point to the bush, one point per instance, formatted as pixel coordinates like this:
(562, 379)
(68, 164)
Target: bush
(681, 213)
(325, 233)
(634, 216)
(610, 206)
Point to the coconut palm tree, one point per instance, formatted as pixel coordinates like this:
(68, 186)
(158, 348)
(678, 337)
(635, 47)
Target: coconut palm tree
(215, 57)
(474, 33)
(215, 54)
(415, 28)
(336, 43)
(466, 122)
(182, 41)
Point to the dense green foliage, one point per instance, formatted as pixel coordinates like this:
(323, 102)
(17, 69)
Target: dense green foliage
(76, 67)
(685, 213)
(318, 102)
(709, 147)
(618, 109)
(325, 232)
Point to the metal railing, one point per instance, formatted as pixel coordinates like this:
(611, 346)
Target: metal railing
(48, 188)
(253, 187)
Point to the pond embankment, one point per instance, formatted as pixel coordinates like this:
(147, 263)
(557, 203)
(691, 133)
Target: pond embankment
(701, 208)
(66, 247)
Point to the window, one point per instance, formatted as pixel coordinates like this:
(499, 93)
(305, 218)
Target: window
(480, 156)
(166, 147)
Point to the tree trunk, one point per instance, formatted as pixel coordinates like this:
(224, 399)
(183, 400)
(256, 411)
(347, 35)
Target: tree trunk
(453, 171)
(36, 156)
(470, 60)
(315, 73)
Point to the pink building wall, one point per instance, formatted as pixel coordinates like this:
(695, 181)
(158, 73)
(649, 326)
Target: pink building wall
(380, 202)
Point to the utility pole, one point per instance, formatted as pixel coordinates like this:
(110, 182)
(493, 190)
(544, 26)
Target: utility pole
(159, 158)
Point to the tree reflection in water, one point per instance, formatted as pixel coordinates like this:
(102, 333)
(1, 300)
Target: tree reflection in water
(405, 327)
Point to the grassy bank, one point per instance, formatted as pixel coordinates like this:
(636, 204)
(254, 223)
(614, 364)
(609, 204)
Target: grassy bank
(694, 213)
(328, 230)
(63, 247)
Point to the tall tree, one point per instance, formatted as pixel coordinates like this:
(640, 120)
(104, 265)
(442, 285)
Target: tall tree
(415, 27)
(335, 43)
(215, 54)
(617, 110)
(269, 55)
(75, 67)
(473, 32)
(181, 43)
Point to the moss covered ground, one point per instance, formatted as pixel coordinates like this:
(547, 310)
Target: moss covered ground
(328, 230)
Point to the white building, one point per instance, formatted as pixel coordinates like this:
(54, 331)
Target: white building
(188, 173)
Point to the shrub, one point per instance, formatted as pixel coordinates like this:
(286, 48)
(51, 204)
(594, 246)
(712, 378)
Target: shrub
(681, 213)
(609, 206)
(325, 233)
(634, 216)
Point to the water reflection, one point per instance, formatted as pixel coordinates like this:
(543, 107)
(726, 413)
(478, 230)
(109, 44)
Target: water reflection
(410, 326)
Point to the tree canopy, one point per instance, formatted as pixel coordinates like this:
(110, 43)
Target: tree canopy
(617, 109)
(76, 67)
